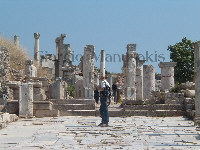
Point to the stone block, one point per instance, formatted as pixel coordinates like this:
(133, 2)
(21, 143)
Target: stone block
(64, 107)
(189, 101)
(190, 106)
(190, 93)
(57, 90)
(26, 100)
(73, 101)
(46, 113)
(188, 85)
(132, 102)
(78, 113)
(39, 94)
(154, 107)
(174, 98)
(13, 107)
(42, 105)
(5, 117)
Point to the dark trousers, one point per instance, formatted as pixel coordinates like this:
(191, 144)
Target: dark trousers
(115, 95)
(118, 95)
(104, 110)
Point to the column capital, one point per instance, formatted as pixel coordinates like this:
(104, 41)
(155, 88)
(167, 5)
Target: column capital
(16, 36)
(167, 64)
(131, 47)
(63, 35)
(36, 35)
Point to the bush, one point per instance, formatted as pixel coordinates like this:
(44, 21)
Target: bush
(70, 90)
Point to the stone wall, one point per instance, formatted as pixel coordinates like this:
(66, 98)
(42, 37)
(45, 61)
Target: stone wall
(48, 63)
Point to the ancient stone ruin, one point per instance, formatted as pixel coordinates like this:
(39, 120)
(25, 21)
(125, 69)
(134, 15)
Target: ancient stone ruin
(70, 88)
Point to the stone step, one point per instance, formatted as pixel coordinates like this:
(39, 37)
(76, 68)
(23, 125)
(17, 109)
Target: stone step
(63, 107)
(78, 113)
(46, 113)
(72, 101)
(113, 112)
(155, 113)
(154, 107)
(132, 102)
(42, 105)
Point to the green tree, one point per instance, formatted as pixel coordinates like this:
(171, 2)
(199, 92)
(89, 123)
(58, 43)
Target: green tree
(71, 89)
(183, 54)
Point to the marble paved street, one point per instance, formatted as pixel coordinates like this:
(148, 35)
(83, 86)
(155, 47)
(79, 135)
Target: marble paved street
(81, 133)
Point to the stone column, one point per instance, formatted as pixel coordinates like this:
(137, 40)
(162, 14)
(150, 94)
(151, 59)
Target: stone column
(67, 55)
(60, 54)
(197, 81)
(139, 79)
(88, 72)
(16, 41)
(130, 70)
(148, 81)
(110, 81)
(167, 75)
(36, 49)
(26, 100)
(102, 63)
(96, 79)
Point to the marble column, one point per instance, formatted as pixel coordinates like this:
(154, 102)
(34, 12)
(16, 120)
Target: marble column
(110, 80)
(139, 79)
(197, 81)
(96, 79)
(88, 72)
(167, 75)
(16, 41)
(102, 63)
(60, 50)
(130, 70)
(26, 100)
(148, 81)
(36, 49)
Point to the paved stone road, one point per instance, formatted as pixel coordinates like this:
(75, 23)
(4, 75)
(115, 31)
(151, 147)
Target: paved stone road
(81, 133)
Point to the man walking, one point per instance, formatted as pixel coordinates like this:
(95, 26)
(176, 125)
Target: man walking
(104, 96)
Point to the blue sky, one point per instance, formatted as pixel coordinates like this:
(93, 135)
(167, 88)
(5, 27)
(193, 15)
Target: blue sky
(109, 25)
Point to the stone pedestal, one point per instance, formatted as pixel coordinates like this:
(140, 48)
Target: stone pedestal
(16, 41)
(102, 63)
(167, 75)
(26, 100)
(57, 89)
(88, 72)
(139, 80)
(148, 81)
(197, 81)
(130, 72)
(36, 49)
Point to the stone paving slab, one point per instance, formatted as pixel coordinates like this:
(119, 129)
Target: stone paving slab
(69, 132)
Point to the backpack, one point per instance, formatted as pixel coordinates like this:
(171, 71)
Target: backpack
(114, 87)
(106, 92)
